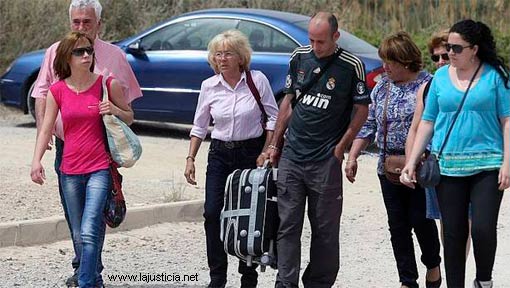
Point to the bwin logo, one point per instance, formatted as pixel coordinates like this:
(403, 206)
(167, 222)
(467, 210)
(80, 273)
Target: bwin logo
(316, 101)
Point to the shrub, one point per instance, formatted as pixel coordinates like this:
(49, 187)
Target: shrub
(35, 24)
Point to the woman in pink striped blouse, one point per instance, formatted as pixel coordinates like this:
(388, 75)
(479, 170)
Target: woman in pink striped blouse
(242, 128)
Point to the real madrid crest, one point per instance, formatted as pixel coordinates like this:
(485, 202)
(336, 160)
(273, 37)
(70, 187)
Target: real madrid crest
(300, 76)
(331, 83)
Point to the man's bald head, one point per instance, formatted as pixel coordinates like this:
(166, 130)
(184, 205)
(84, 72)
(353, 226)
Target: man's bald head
(323, 34)
(322, 18)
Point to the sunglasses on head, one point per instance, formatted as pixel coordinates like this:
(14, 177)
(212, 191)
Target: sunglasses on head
(457, 48)
(81, 51)
(444, 56)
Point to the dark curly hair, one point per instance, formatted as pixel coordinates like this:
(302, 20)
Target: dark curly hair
(477, 33)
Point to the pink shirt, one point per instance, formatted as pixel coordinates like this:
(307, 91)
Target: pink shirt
(84, 149)
(110, 61)
(235, 112)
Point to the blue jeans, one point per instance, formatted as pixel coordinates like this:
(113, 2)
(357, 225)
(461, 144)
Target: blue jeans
(59, 149)
(85, 198)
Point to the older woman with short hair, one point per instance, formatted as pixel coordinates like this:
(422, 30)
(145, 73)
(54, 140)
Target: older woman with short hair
(438, 55)
(389, 119)
(239, 136)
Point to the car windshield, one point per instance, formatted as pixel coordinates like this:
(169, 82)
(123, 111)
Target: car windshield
(348, 41)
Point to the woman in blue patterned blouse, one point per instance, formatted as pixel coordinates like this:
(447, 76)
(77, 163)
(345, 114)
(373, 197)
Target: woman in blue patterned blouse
(475, 162)
(392, 110)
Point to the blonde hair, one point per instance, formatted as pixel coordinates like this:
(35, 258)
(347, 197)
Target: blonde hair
(235, 41)
(400, 48)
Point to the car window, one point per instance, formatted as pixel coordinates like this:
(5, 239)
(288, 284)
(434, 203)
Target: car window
(348, 41)
(192, 34)
(266, 39)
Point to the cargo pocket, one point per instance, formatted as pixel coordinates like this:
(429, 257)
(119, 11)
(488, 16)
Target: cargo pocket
(332, 191)
(282, 178)
(331, 187)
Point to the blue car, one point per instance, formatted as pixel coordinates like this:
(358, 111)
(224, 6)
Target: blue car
(170, 59)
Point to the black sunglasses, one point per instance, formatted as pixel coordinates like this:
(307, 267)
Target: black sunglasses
(81, 51)
(444, 56)
(457, 49)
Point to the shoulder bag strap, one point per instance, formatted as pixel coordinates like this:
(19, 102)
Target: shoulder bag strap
(104, 90)
(314, 80)
(256, 95)
(458, 111)
(385, 119)
(104, 87)
(426, 91)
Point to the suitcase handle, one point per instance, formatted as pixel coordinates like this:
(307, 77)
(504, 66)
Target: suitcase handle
(265, 165)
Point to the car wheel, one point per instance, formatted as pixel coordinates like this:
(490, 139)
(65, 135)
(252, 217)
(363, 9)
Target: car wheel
(31, 101)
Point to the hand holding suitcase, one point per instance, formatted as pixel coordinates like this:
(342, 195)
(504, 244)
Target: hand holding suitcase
(249, 220)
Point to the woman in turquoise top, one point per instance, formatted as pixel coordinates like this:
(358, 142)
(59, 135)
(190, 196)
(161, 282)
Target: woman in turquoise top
(475, 162)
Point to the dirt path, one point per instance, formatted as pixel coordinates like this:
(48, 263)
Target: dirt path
(179, 248)
(156, 178)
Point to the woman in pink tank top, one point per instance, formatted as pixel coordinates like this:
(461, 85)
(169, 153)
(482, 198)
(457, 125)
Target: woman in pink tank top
(85, 175)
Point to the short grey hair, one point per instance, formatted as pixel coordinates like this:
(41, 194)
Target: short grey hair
(82, 4)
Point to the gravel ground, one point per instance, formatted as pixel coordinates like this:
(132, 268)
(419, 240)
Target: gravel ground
(156, 178)
(178, 249)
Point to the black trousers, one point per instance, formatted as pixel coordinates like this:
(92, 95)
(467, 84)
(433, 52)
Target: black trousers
(406, 212)
(454, 195)
(223, 159)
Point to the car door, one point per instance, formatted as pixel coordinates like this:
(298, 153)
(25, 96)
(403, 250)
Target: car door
(171, 65)
(271, 51)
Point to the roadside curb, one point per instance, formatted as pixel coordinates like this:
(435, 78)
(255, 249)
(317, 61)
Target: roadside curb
(52, 229)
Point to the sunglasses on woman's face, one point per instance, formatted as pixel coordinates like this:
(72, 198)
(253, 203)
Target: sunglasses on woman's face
(444, 56)
(78, 52)
(457, 48)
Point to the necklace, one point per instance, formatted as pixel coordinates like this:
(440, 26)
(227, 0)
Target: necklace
(80, 88)
(464, 86)
(460, 84)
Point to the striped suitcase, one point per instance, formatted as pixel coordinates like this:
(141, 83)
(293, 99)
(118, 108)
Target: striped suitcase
(249, 220)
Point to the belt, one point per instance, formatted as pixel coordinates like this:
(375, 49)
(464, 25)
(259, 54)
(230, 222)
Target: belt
(252, 143)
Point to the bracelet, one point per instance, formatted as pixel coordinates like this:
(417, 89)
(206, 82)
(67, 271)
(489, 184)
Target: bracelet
(271, 146)
(190, 157)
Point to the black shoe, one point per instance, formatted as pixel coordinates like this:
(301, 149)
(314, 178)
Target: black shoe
(434, 284)
(72, 282)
